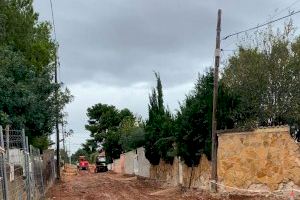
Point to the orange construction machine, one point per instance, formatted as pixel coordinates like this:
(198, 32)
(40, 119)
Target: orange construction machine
(83, 163)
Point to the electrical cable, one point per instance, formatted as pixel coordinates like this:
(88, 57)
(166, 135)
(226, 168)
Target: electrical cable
(261, 25)
(286, 8)
(53, 22)
(55, 38)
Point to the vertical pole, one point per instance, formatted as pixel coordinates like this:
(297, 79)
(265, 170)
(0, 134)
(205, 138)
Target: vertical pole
(40, 160)
(214, 151)
(53, 167)
(27, 166)
(3, 168)
(32, 167)
(56, 124)
(7, 142)
(70, 152)
(63, 135)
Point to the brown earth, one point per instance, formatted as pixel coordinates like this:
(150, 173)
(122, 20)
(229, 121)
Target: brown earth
(90, 186)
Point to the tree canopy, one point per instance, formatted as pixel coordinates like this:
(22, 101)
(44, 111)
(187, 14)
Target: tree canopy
(159, 128)
(115, 130)
(193, 121)
(27, 55)
(266, 77)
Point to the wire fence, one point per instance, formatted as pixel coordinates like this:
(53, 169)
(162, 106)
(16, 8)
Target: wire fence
(25, 174)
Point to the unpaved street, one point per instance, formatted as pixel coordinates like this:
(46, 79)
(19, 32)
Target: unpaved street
(110, 186)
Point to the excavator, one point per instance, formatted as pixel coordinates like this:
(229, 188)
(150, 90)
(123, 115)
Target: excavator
(83, 163)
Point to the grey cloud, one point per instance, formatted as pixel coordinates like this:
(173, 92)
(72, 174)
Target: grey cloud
(120, 42)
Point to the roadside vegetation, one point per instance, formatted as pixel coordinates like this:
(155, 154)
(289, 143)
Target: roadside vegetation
(27, 58)
(259, 86)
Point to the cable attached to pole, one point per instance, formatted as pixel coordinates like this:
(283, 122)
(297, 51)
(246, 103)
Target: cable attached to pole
(53, 22)
(56, 102)
(261, 25)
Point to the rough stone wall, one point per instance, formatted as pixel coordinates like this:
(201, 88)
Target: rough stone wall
(166, 172)
(143, 163)
(181, 174)
(267, 159)
(199, 176)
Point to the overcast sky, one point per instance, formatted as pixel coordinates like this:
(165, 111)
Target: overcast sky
(110, 48)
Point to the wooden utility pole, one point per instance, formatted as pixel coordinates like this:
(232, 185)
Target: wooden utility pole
(214, 149)
(56, 124)
(63, 135)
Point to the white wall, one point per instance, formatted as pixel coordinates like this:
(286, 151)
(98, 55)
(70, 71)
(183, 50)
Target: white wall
(143, 163)
(129, 162)
(135, 162)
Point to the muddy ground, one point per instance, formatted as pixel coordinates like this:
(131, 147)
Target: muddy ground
(111, 186)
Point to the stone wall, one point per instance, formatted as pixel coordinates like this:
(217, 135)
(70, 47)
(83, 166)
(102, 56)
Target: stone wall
(199, 176)
(264, 159)
(267, 159)
(166, 172)
(180, 174)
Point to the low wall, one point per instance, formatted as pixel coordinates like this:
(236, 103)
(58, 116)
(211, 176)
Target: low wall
(180, 174)
(115, 165)
(166, 172)
(129, 162)
(264, 159)
(199, 176)
(143, 164)
(118, 164)
(132, 162)
(135, 162)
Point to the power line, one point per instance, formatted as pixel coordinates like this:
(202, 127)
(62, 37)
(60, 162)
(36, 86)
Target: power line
(286, 8)
(55, 38)
(53, 22)
(56, 99)
(261, 25)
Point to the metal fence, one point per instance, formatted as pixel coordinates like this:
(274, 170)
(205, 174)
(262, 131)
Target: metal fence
(49, 169)
(22, 168)
(37, 172)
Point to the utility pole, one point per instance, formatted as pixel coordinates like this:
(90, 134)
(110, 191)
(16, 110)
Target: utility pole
(214, 151)
(56, 124)
(70, 152)
(63, 135)
(7, 142)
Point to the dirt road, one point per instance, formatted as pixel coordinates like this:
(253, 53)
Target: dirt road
(110, 186)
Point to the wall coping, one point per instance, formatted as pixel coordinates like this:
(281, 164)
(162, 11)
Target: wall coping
(273, 129)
